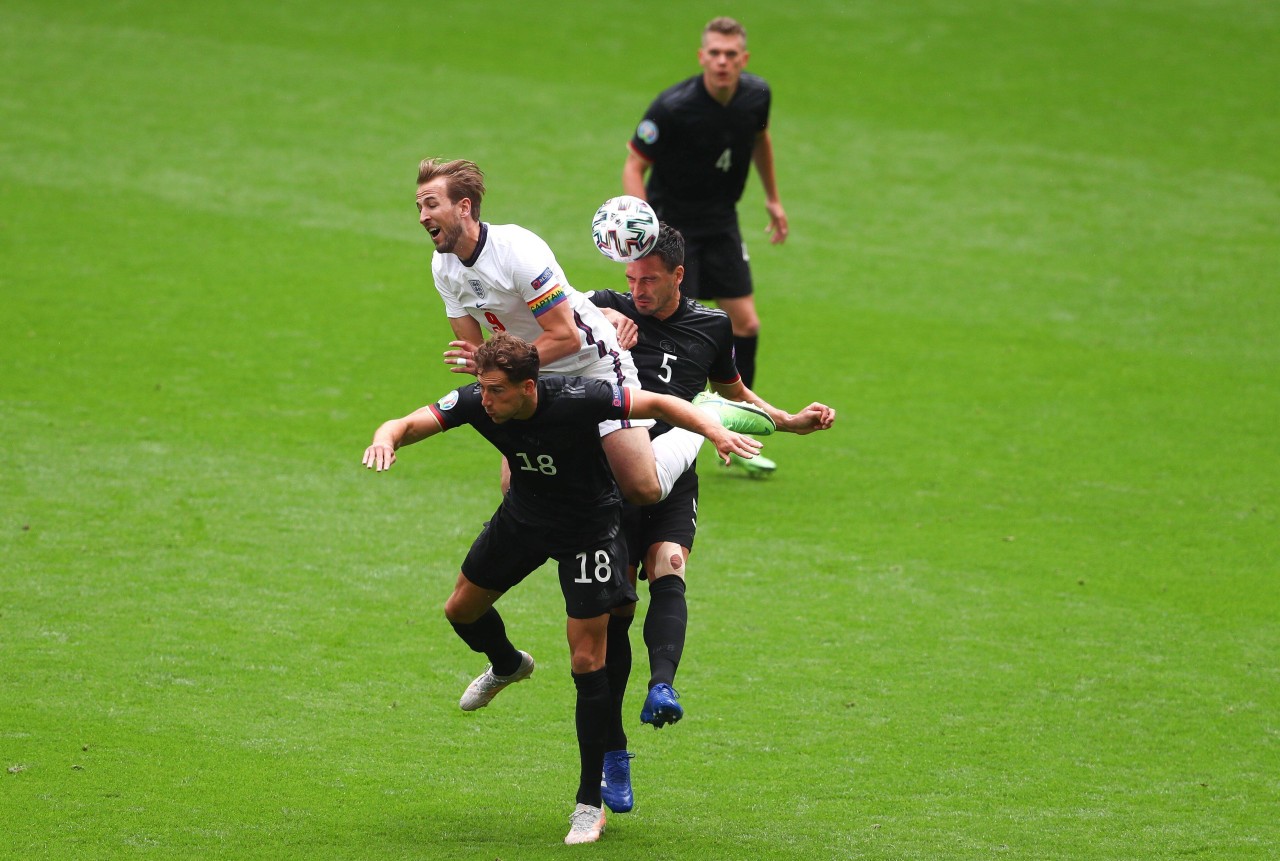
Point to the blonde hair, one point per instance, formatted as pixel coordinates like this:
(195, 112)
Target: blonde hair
(725, 26)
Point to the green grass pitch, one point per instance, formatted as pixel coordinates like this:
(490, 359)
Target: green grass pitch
(1021, 603)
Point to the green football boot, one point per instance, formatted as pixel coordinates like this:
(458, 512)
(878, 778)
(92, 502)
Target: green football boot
(735, 415)
(755, 467)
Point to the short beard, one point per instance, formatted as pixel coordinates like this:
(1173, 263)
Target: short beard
(448, 239)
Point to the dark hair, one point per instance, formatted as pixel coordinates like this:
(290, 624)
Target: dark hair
(669, 248)
(505, 352)
(462, 179)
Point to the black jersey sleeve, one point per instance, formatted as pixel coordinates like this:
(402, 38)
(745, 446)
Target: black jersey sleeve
(459, 407)
(608, 299)
(647, 140)
(724, 367)
(612, 399)
(620, 302)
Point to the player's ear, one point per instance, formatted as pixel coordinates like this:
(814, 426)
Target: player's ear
(678, 275)
(464, 207)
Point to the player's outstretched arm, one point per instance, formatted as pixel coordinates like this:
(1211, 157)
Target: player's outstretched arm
(393, 434)
(814, 417)
(682, 414)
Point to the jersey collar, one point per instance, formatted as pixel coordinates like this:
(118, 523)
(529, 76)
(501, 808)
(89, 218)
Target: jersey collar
(480, 243)
(682, 308)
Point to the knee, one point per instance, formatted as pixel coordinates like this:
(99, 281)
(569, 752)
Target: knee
(645, 491)
(457, 613)
(667, 559)
(588, 644)
(586, 662)
(744, 320)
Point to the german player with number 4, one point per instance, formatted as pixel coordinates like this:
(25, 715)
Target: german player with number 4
(697, 143)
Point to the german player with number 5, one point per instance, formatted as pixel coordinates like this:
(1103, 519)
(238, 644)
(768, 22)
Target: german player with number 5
(680, 347)
(563, 505)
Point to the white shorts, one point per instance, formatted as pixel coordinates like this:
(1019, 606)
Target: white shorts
(612, 425)
(620, 369)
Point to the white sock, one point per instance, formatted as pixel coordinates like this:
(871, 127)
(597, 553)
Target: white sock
(673, 453)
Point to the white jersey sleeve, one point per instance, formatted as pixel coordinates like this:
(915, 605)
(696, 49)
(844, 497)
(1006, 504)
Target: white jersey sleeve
(448, 286)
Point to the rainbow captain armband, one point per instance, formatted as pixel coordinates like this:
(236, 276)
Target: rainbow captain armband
(547, 301)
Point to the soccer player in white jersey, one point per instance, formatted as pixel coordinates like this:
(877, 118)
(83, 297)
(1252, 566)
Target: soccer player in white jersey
(504, 278)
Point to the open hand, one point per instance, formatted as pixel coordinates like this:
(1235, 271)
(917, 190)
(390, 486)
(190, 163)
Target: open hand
(462, 358)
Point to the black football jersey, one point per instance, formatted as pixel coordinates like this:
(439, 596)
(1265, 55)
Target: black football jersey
(700, 152)
(559, 474)
(678, 355)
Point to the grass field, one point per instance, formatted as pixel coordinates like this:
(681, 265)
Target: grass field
(1020, 603)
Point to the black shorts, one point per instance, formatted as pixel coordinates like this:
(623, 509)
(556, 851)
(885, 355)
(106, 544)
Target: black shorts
(716, 267)
(592, 563)
(673, 519)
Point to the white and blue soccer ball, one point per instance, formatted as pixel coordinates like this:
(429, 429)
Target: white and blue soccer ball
(625, 228)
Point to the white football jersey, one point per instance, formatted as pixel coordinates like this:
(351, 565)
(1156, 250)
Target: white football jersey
(513, 279)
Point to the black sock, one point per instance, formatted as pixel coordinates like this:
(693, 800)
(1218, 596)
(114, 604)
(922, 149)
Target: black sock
(488, 635)
(664, 628)
(591, 717)
(744, 348)
(618, 667)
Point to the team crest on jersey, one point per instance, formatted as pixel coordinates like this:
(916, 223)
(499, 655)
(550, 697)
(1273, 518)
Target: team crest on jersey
(542, 279)
(449, 401)
(667, 346)
(647, 131)
(477, 288)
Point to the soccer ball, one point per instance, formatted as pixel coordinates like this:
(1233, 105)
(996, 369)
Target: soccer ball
(625, 228)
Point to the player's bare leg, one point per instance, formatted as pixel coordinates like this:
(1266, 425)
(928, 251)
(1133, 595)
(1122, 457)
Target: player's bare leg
(631, 458)
(477, 623)
(646, 471)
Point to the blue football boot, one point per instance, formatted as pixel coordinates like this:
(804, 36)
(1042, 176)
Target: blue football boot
(615, 785)
(660, 707)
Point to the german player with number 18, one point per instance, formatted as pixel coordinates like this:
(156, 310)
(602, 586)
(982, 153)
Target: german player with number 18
(563, 505)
